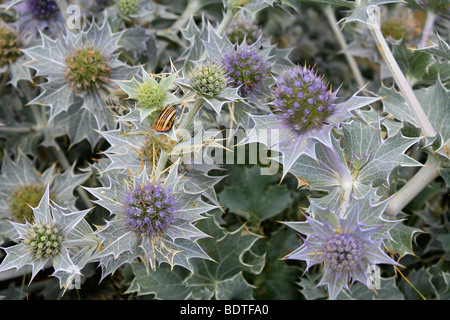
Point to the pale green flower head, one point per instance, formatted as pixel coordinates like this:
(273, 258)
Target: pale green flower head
(150, 95)
(55, 236)
(23, 186)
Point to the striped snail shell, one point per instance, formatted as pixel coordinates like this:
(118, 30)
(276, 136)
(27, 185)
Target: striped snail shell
(165, 119)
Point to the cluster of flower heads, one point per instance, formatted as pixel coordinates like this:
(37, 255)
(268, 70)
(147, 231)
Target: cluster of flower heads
(302, 99)
(246, 69)
(149, 209)
(43, 9)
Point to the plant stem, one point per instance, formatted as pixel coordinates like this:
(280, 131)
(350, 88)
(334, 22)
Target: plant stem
(187, 120)
(345, 179)
(23, 285)
(191, 8)
(66, 166)
(226, 21)
(21, 129)
(429, 23)
(329, 13)
(405, 89)
(414, 186)
(117, 27)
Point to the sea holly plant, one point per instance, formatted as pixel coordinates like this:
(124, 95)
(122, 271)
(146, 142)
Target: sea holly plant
(47, 240)
(23, 187)
(82, 65)
(153, 219)
(346, 246)
(304, 113)
(231, 149)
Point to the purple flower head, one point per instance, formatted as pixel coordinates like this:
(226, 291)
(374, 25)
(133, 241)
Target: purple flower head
(43, 9)
(149, 209)
(300, 89)
(245, 68)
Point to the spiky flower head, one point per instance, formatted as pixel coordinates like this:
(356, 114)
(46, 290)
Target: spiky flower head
(301, 99)
(243, 29)
(128, 7)
(80, 66)
(150, 209)
(151, 95)
(87, 69)
(304, 114)
(246, 69)
(43, 9)
(24, 197)
(52, 236)
(208, 78)
(9, 46)
(22, 187)
(154, 220)
(43, 240)
(346, 247)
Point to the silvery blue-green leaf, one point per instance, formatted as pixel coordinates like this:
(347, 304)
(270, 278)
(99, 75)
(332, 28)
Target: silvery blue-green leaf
(255, 199)
(434, 101)
(363, 11)
(175, 246)
(235, 288)
(402, 239)
(227, 249)
(421, 279)
(441, 49)
(277, 279)
(388, 291)
(117, 238)
(19, 71)
(196, 37)
(49, 60)
(134, 39)
(165, 283)
(254, 6)
(297, 4)
(445, 174)
(414, 64)
(371, 157)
